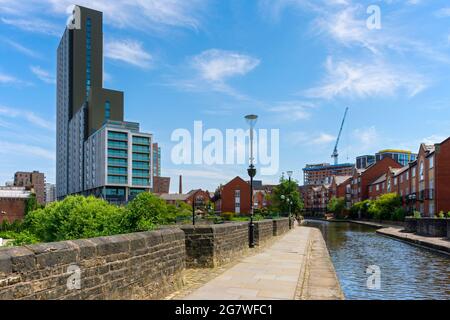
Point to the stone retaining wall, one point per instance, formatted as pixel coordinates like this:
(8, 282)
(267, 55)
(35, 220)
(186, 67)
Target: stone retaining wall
(410, 225)
(280, 226)
(144, 265)
(263, 231)
(215, 245)
(432, 227)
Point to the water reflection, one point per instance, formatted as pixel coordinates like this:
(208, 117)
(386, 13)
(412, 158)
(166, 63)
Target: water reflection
(407, 272)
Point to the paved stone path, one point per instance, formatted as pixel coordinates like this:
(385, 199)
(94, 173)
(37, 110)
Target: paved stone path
(435, 243)
(278, 272)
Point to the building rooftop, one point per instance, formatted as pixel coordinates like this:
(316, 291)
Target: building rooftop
(328, 166)
(341, 179)
(14, 193)
(379, 180)
(174, 196)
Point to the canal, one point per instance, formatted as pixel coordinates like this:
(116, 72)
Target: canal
(406, 272)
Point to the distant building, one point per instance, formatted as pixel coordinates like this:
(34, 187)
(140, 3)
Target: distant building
(401, 156)
(156, 160)
(319, 174)
(13, 203)
(234, 197)
(32, 180)
(362, 162)
(198, 197)
(161, 185)
(97, 152)
(50, 193)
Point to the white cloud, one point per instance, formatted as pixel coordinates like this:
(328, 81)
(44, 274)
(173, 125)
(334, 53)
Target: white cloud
(34, 25)
(367, 137)
(7, 79)
(27, 115)
(128, 51)
(7, 148)
(43, 75)
(443, 12)
(157, 15)
(352, 79)
(20, 48)
(315, 139)
(218, 65)
(434, 139)
(293, 110)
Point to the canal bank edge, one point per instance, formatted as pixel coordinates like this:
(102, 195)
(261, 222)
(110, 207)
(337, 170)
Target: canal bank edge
(439, 245)
(318, 279)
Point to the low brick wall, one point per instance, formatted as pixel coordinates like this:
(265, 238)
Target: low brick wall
(215, 245)
(144, 265)
(280, 226)
(410, 225)
(263, 231)
(432, 227)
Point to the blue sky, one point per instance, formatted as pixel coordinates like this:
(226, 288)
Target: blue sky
(295, 63)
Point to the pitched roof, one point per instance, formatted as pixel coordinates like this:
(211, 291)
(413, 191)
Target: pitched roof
(174, 196)
(379, 180)
(400, 171)
(341, 179)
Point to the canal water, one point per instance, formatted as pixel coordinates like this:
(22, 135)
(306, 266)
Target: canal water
(406, 272)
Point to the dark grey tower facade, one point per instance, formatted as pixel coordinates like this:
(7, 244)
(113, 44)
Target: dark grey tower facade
(83, 105)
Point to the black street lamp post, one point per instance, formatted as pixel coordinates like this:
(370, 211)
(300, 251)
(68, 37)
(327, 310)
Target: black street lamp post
(251, 120)
(289, 199)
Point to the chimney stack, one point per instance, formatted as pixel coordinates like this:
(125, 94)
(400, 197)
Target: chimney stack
(181, 184)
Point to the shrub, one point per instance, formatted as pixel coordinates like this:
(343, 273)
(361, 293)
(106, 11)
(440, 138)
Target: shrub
(227, 216)
(75, 217)
(19, 238)
(399, 214)
(336, 206)
(417, 215)
(448, 214)
(145, 212)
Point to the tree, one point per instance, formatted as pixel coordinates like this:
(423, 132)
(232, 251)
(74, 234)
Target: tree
(336, 206)
(76, 217)
(282, 193)
(384, 207)
(146, 211)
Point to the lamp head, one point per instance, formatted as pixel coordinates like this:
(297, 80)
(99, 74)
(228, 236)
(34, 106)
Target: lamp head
(251, 120)
(290, 173)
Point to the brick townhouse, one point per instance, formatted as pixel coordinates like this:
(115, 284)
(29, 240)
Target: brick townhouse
(363, 179)
(341, 188)
(233, 197)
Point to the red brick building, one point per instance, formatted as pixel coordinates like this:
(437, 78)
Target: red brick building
(161, 185)
(442, 176)
(13, 203)
(32, 180)
(234, 197)
(199, 197)
(362, 179)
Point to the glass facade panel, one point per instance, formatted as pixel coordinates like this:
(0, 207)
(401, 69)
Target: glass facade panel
(142, 149)
(115, 170)
(117, 144)
(140, 165)
(142, 157)
(141, 140)
(141, 173)
(107, 110)
(117, 179)
(117, 153)
(117, 136)
(141, 182)
(117, 162)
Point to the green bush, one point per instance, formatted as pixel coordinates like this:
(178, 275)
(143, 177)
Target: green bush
(336, 206)
(448, 214)
(399, 214)
(19, 238)
(227, 216)
(76, 217)
(441, 215)
(145, 212)
(417, 215)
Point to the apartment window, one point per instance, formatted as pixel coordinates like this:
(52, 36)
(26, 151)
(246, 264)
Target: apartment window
(401, 179)
(431, 162)
(88, 55)
(237, 193)
(370, 189)
(421, 172)
(395, 181)
(107, 110)
(378, 187)
(407, 175)
(413, 172)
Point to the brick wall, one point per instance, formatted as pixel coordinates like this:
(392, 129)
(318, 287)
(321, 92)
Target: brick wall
(12, 209)
(263, 231)
(442, 173)
(144, 265)
(214, 245)
(280, 226)
(432, 227)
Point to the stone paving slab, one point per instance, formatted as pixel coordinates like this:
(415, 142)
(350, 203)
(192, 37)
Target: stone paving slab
(275, 273)
(439, 244)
